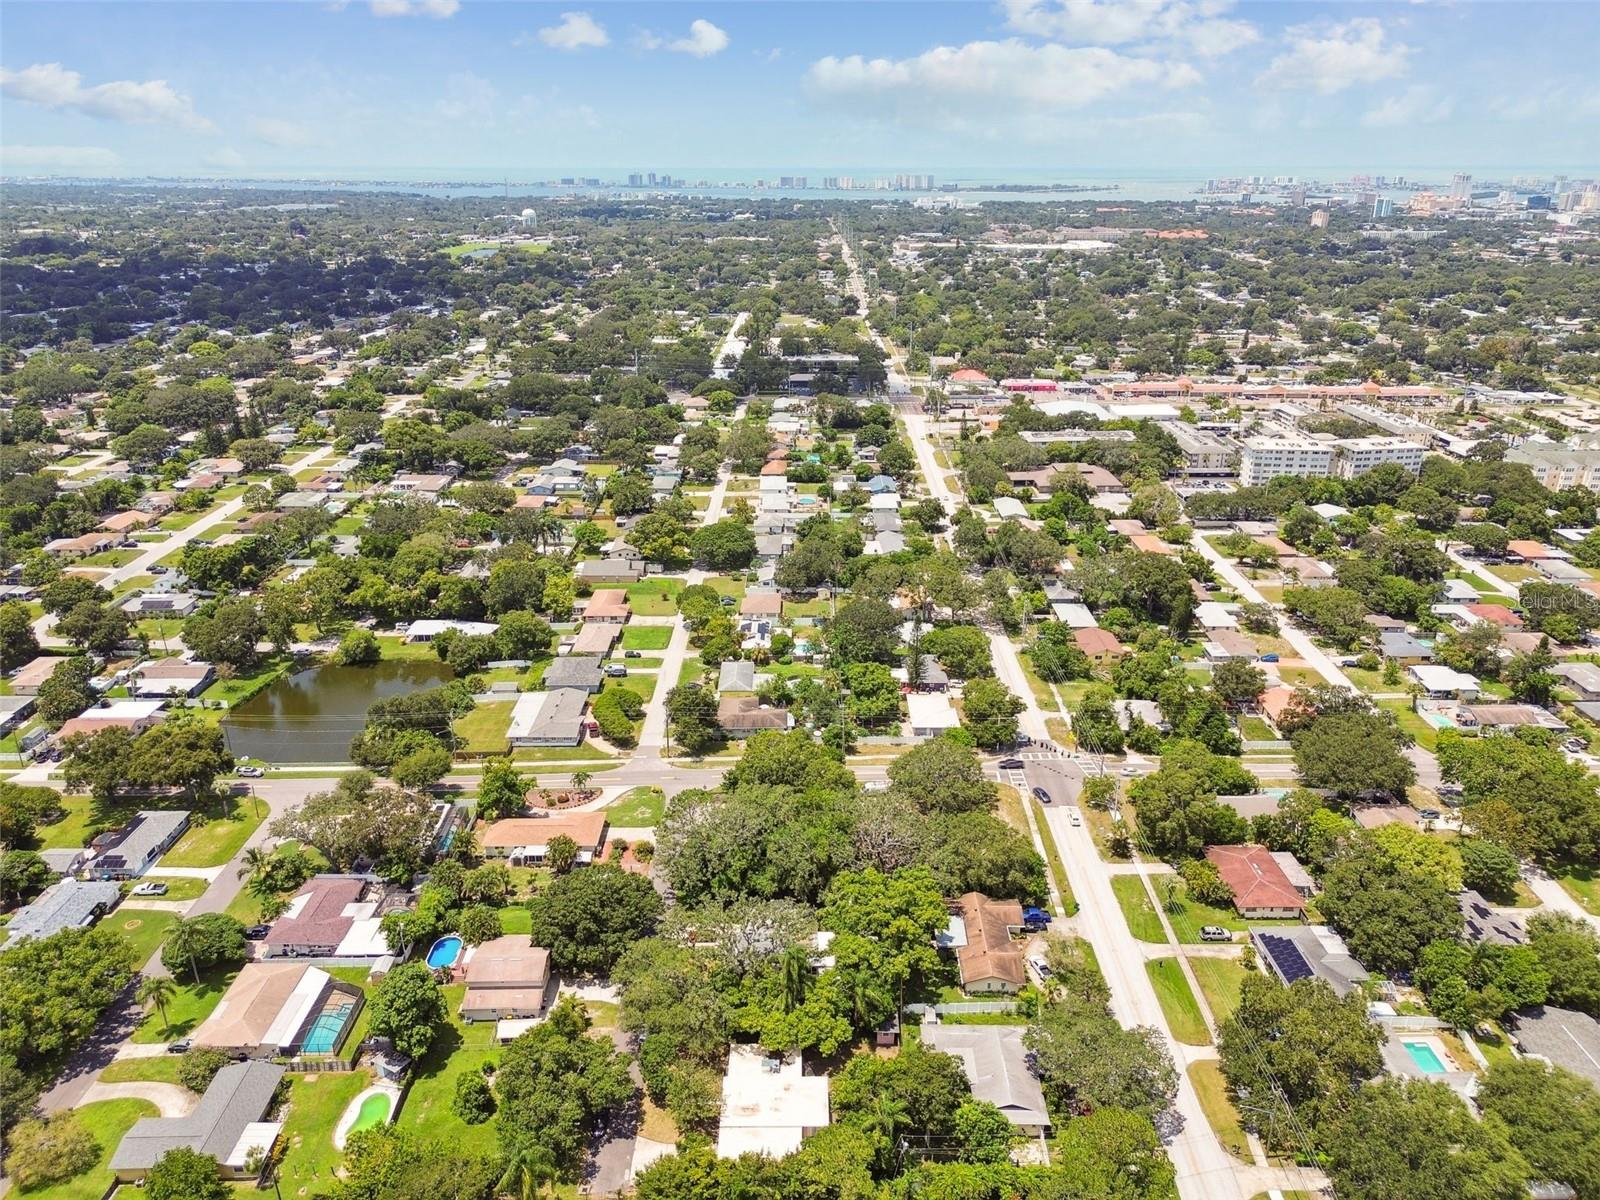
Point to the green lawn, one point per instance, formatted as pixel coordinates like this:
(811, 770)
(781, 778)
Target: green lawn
(691, 670)
(241, 688)
(107, 1120)
(1178, 1004)
(145, 928)
(1212, 1089)
(646, 637)
(1143, 920)
(72, 830)
(179, 887)
(212, 840)
(807, 608)
(1058, 869)
(1221, 980)
(315, 1104)
(110, 558)
(484, 728)
(464, 248)
(1426, 735)
(637, 808)
(192, 1005)
(162, 1069)
(516, 918)
(1583, 885)
(457, 1049)
(1254, 729)
(654, 597)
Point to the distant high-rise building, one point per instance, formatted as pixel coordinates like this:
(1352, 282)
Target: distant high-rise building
(1461, 186)
(652, 179)
(1319, 219)
(1297, 197)
(636, 180)
(1382, 207)
(831, 182)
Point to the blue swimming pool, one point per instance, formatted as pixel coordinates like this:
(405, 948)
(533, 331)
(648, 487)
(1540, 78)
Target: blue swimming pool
(1426, 1058)
(323, 1036)
(444, 952)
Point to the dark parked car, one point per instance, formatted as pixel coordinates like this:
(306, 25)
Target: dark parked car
(181, 1046)
(1011, 764)
(632, 654)
(255, 932)
(1042, 796)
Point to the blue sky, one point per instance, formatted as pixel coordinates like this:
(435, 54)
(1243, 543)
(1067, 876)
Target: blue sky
(1203, 86)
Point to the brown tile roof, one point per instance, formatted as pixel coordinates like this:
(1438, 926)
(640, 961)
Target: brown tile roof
(1498, 613)
(1095, 641)
(321, 920)
(1254, 877)
(746, 712)
(585, 828)
(509, 961)
(762, 604)
(989, 952)
(609, 602)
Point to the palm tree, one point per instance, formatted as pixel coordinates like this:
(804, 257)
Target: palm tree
(159, 991)
(580, 780)
(796, 977)
(255, 861)
(527, 1173)
(182, 941)
(865, 994)
(884, 1121)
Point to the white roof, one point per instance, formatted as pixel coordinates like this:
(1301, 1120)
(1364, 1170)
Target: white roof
(1329, 511)
(1437, 678)
(1076, 615)
(1010, 506)
(884, 502)
(124, 710)
(364, 939)
(307, 991)
(431, 627)
(1459, 589)
(1066, 405)
(931, 710)
(1213, 615)
(768, 1103)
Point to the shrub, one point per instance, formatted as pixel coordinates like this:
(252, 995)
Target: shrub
(615, 725)
(474, 1099)
(50, 1151)
(199, 1066)
(1205, 883)
(480, 924)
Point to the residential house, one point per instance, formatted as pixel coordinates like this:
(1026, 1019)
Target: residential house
(330, 916)
(1439, 682)
(1495, 614)
(170, 677)
(1212, 616)
(1483, 923)
(998, 1069)
(1582, 678)
(526, 840)
(761, 604)
(161, 604)
(70, 904)
(1294, 952)
(881, 485)
(14, 712)
(507, 979)
(1225, 645)
(1099, 480)
(1073, 614)
(1295, 873)
(429, 628)
(227, 1124)
(129, 852)
(409, 483)
(31, 674)
(548, 718)
(1261, 891)
(1403, 649)
(595, 637)
(574, 671)
(126, 522)
(987, 958)
(70, 549)
(609, 607)
(930, 714)
(744, 716)
(1561, 1037)
(1100, 645)
(133, 715)
(769, 1104)
(1507, 718)
(609, 570)
(281, 1009)
(737, 675)
(1010, 508)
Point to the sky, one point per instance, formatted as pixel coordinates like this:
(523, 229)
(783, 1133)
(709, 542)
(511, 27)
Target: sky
(418, 88)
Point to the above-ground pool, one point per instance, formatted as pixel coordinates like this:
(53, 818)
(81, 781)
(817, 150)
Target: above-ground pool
(444, 952)
(1426, 1058)
(374, 1111)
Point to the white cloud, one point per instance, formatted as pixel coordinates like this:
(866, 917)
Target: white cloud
(1197, 25)
(61, 158)
(225, 158)
(1417, 105)
(468, 97)
(275, 131)
(577, 30)
(153, 102)
(1329, 58)
(438, 9)
(704, 40)
(949, 85)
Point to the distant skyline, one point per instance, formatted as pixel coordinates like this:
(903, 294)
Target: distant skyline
(1062, 88)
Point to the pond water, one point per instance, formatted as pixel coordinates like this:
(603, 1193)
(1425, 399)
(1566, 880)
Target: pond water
(310, 716)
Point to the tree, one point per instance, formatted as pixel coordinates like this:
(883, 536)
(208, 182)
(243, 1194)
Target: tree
(408, 1007)
(480, 924)
(50, 1150)
(158, 990)
(199, 1066)
(360, 819)
(1238, 683)
(185, 1174)
(1488, 867)
(864, 631)
(523, 636)
(989, 712)
(359, 648)
(1416, 853)
(66, 692)
(23, 874)
(978, 852)
(1301, 1045)
(1522, 792)
(692, 712)
(474, 1100)
(1529, 675)
(208, 940)
(1179, 815)
(226, 631)
(1551, 1116)
(561, 854)
(1419, 1140)
(985, 1133)
(501, 790)
(388, 1163)
(18, 645)
(942, 777)
(727, 545)
(1386, 914)
(589, 917)
(1353, 754)
(1337, 613)
(422, 767)
(1569, 950)
(1086, 1060)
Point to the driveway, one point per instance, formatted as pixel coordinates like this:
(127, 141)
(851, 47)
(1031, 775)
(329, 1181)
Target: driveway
(172, 1100)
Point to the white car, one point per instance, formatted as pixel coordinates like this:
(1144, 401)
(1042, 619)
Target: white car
(1073, 817)
(150, 888)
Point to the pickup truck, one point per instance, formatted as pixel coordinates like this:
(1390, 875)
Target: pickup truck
(1035, 919)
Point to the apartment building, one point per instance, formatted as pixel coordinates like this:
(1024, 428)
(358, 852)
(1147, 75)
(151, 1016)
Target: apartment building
(1264, 458)
(1356, 456)
(1558, 467)
(1204, 452)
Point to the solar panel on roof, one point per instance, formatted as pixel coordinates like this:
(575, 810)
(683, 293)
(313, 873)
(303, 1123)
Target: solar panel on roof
(1286, 956)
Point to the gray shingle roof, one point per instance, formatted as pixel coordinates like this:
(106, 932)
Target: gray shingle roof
(238, 1096)
(140, 837)
(67, 905)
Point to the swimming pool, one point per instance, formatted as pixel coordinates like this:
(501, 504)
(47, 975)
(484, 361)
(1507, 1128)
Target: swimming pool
(374, 1111)
(1426, 1058)
(444, 952)
(323, 1036)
